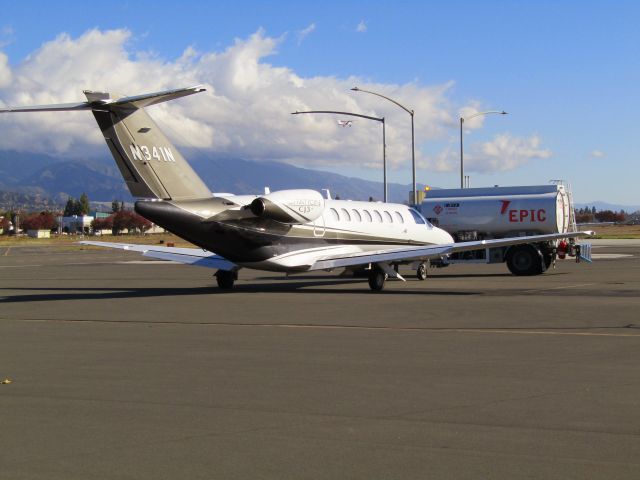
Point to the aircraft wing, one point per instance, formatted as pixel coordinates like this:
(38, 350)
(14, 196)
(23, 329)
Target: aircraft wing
(425, 252)
(189, 256)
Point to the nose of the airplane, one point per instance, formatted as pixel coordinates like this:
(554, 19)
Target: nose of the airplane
(444, 237)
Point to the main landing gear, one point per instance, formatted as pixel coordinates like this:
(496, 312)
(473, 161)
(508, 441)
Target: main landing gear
(226, 278)
(421, 271)
(377, 278)
(379, 273)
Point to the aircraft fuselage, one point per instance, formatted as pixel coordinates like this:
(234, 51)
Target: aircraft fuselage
(226, 226)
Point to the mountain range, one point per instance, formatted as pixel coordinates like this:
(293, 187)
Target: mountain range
(30, 180)
(52, 180)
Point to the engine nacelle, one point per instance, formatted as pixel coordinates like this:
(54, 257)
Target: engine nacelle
(289, 206)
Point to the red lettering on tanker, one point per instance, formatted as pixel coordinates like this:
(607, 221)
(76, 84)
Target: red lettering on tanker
(531, 216)
(437, 209)
(505, 205)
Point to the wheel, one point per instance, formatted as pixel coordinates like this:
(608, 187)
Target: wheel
(421, 272)
(225, 279)
(376, 279)
(524, 260)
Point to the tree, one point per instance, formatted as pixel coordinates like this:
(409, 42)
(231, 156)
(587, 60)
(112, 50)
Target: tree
(130, 221)
(141, 223)
(102, 223)
(610, 216)
(4, 224)
(585, 216)
(69, 208)
(40, 221)
(84, 204)
(75, 207)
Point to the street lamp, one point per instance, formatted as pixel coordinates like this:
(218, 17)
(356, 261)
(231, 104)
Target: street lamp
(413, 144)
(384, 145)
(462, 119)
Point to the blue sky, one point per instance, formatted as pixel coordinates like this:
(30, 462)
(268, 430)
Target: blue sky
(567, 73)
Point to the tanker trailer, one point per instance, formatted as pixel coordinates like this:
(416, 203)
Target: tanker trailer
(498, 212)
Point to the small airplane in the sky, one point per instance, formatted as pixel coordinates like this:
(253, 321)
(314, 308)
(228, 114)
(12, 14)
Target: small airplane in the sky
(345, 123)
(284, 231)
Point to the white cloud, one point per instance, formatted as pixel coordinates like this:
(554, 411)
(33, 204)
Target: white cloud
(597, 154)
(245, 111)
(302, 34)
(362, 27)
(5, 71)
(503, 153)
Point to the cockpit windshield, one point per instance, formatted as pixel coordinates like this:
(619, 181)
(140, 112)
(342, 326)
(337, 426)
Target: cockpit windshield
(419, 219)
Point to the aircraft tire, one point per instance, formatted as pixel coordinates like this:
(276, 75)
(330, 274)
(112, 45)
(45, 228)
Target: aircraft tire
(421, 272)
(226, 279)
(525, 260)
(377, 279)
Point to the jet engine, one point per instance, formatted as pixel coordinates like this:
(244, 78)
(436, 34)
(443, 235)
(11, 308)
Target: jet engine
(289, 206)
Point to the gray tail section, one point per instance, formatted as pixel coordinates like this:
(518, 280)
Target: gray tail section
(151, 166)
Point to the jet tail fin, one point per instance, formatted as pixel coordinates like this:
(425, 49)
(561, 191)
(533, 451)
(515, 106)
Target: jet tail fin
(150, 164)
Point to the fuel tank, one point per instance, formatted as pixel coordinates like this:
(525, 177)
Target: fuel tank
(500, 211)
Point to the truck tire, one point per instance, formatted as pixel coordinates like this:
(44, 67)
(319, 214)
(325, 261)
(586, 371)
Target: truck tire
(525, 260)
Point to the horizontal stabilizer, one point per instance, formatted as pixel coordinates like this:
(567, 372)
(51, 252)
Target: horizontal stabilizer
(147, 99)
(56, 107)
(100, 101)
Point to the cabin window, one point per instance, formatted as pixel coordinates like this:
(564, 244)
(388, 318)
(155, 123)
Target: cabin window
(367, 216)
(417, 217)
(356, 216)
(334, 214)
(388, 217)
(377, 216)
(345, 214)
(399, 217)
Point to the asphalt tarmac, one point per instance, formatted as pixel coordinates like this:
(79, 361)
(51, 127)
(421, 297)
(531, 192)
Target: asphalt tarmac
(130, 369)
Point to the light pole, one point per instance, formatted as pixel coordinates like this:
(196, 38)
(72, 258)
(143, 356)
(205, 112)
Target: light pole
(413, 144)
(462, 119)
(384, 145)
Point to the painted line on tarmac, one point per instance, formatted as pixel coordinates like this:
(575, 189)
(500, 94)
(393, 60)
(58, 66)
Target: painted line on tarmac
(6, 253)
(610, 256)
(19, 266)
(501, 331)
(460, 330)
(563, 287)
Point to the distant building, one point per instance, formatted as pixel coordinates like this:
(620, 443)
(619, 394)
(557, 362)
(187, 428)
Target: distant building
(39, 233)
(76, 224)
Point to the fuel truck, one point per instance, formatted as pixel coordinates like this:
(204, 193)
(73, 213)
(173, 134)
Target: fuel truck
(497, 212)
